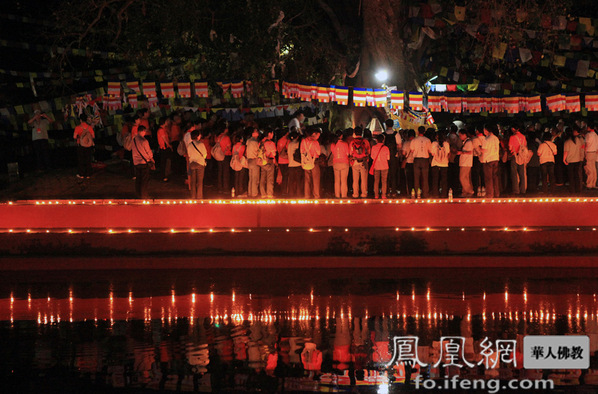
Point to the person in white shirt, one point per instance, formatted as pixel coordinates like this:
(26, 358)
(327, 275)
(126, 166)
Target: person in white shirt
(252, 165)
(441, 150)
(197, 164)
(591, 153)
(546, 153)
(573, 153)
(490, 155)
(465, 163)
(421, 147)
(296, 124)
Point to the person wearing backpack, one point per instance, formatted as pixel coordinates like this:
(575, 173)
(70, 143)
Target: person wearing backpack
(441, 150)
(296, 186)
(310, 151)
(198, 153)
(239, 165)
(359, 151)
(267, 156)
(84, 135)
(517, 149)
(143, 160)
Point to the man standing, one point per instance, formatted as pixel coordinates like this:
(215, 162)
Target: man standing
(197, 164)
(421, 147)
(359, 151)
(489, 159)
(254, 169)
(394, 143)
(40, 124)
(516, 142)
(84, 136)
(591, 149)
(166, 152)
(297, 122)
(465, 164)
(310, 151)
(143, 160)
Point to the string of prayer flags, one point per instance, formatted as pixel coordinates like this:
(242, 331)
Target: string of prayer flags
(322, 94)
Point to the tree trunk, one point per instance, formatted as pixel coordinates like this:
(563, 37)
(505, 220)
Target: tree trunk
(383, 46)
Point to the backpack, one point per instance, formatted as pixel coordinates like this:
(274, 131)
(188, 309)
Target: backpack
(182, 149)
(217, 152)
(128, 142)
(442, 154)
(524, 155)
(307, 161)
(86, 139)
(262, 159)
(297, 154)
(359, 150)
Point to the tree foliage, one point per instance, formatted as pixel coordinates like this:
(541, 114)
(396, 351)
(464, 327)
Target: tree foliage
(325, 41)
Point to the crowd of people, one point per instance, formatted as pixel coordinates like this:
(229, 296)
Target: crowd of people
(245, 160)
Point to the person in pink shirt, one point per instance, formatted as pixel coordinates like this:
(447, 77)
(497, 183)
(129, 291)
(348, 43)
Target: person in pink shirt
(340, 163)
(380, 155)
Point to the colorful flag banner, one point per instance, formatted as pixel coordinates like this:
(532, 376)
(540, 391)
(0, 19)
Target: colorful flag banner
(555, 103)
(592, 102)
(359, 97)
(114, 89)
(341, 95)
(380, 97)
(167, 89)
(416, 101)
(134, 85)
(237, 89)
(454, 104)
(397, 100)
(184, 89)
(572, 103)
(201, 89)
(149, 89)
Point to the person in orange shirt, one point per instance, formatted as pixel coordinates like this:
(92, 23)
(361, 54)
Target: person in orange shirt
(84, 135)
(223, 138)
(267, 169)
(166, 152)
(380, 155)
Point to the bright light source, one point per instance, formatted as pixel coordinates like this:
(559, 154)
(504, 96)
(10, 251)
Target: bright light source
(382, 75)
